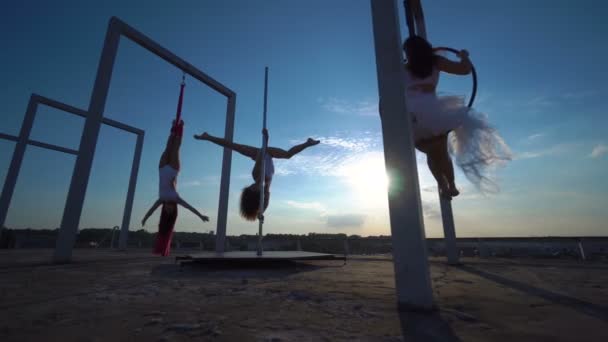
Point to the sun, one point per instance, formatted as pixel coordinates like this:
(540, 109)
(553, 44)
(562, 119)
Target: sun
(367, 176)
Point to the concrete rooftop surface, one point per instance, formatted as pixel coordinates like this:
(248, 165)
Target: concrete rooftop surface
(134, 296)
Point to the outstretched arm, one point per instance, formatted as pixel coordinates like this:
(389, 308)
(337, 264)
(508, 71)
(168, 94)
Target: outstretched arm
(247, 151)
(151, 211)
(463, 67)
(280, 153)
(185, 204)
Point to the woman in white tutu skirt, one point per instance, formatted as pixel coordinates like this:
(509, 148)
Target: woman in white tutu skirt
(475, 145)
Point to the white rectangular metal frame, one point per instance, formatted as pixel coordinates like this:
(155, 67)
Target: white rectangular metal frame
(82, 169)
(24, 139)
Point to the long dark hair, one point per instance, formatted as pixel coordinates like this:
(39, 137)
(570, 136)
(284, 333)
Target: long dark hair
(250, 202)
(420, 56)
(167, 219)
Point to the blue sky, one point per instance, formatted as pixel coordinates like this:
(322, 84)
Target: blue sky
(541, 82)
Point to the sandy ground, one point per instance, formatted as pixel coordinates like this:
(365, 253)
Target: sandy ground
(111, 296)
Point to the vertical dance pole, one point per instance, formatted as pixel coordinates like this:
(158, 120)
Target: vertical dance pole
(263, 166)
(416, 26)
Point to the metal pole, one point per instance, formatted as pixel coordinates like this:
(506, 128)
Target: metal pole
(222, 210)
(409, 18)
(13, 170)
(412, 277)
(263, 166)
(419, 19)
(126, 218)
(416, 25)
(581, 249)
(449, 232)
(114, 229)
(82, 168)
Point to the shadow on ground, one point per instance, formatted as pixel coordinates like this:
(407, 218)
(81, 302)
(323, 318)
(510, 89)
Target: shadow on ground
(234, 269)
(581, 306)
(425, 326)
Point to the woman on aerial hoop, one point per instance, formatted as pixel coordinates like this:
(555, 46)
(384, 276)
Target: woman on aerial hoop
(250, 196)
(168, 168)
(475, 145)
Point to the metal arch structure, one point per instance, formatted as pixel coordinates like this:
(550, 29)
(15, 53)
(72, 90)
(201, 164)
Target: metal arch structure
(24, 139)
(80, 177)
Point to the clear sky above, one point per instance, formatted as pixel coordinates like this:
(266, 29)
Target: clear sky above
(542, 82)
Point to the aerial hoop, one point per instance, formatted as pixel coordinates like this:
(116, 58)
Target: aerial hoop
(414, 19)
(473, 74)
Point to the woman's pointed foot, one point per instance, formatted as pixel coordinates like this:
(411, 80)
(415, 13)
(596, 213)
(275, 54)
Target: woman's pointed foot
(312, 142)
(203, 136)
(453, 190)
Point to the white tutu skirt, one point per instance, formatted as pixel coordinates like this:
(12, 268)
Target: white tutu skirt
(475, 145)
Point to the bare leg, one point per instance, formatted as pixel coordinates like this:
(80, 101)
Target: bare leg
(436, 153)
(447, 167)
(247, 151)
(174, 160)
(164, 158)
(280, 153)
(431, 160)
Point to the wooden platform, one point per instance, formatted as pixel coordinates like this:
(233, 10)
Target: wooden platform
(251, 256)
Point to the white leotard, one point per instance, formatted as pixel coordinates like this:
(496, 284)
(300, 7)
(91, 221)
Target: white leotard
(166, 191)
(269, 167)
(412, 81)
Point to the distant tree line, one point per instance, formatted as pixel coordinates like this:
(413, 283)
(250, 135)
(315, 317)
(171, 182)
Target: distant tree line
(104, 237)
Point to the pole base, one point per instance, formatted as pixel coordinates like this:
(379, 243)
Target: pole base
(409, 307)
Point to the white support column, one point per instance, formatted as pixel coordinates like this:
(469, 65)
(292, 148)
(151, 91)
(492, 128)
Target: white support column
(581, 249)
(222, 211)
(449, 232)
(126, 218)
(412, 276)
(84, 161)
(13, 170)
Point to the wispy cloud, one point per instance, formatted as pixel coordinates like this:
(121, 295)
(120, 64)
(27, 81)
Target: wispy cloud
(208, 180)
(559, 149)
(346, 221)
(307, 205)
(547, 100)
(431, 210)
(429, 188)
(536, 136)
(542, 101)
(599, 151)
(340, 106)
(331, 156)
(190, 184)
(580, 94)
